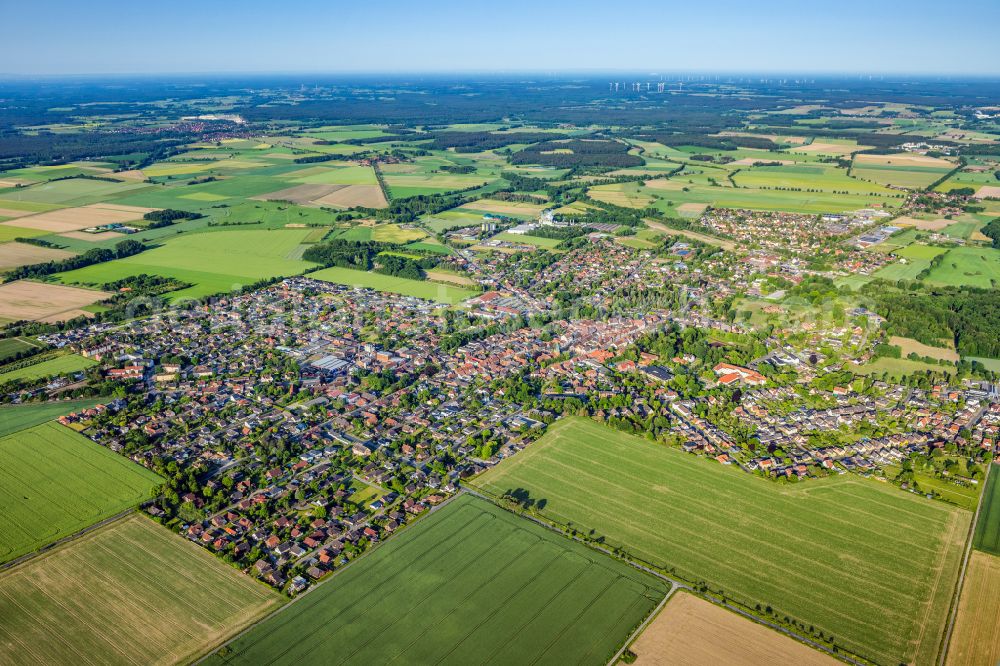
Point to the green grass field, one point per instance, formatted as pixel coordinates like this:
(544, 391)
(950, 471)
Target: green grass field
(862, 561)
(469, 584)
(432, 291)
(987, 535)
(21, 417)
(899, 367)
(129, 593)
(968, 266)
(55, 482)
(213, 262)
(12, 346)
(75, 192)
(58, 365)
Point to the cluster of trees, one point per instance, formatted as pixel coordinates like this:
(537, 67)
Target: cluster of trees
(970, 317)
(367, 255)
(167, 216)
(561, 233)
(602, 153)
(411, 208)
(992, 229)
(712, 141)
(458, 168)
(404, 267)
(40, 242)
(125, 248)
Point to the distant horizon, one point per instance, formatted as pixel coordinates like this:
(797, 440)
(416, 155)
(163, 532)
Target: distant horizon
(540, 73)
(875, 37)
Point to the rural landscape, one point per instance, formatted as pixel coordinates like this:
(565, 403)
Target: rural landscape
(467, 363)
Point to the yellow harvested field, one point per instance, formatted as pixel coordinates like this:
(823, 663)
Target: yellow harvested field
(42, 301)
(909, 345)
(819, 147)
(904, 160)
(74, 219)
(923, 225)
(133, 175)
(693, 632)
(777, 138)
(10, 212)
(988, 192)
(976, 639)
(980, 237)
(505, 207)
(13, 182)
(664, 184)
(369, 196)
(13, 255)
(303, 195)
(575, 208)
(450, 278)
(692, 209)
(618, 196)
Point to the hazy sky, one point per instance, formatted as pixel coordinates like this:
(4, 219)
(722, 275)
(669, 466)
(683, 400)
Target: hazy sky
(851, 36)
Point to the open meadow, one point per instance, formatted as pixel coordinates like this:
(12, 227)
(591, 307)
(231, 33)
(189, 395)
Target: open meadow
(860, 561)
(695, 632)
(131, 592)
(432, 291)
(469, 584)
(47, 365)
(54, 482)
(211, 261)
(968, 266)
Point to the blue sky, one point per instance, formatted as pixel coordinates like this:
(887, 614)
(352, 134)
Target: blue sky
(845, 36)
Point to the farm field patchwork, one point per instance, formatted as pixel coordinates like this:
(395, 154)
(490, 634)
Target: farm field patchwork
(131, 592)
(695, 632)
(213, 262)
(859, 560)
(432, 291)
(976, 639)
(55, 482)
(468, 584)
(76, 191)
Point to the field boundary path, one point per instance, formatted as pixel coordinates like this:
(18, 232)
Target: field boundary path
(956, 596)
(72, 537)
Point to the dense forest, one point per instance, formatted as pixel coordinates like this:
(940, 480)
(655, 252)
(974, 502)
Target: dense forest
(969, 317)
(578, 152)
(711, 141)
(367, 255)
